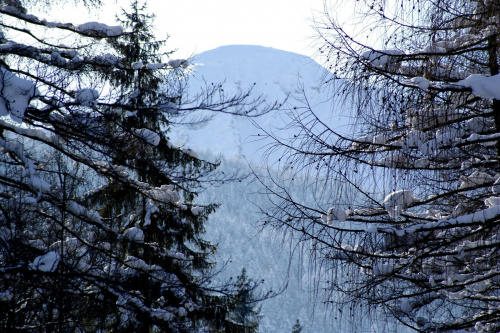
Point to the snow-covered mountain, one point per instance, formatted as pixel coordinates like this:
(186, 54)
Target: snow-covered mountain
(277, 75)
(280, 76)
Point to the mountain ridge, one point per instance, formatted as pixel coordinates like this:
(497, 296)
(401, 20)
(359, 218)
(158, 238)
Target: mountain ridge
(275, 74)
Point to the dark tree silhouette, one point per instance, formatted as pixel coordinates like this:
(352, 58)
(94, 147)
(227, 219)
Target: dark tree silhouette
(407, 214)
(99, 227)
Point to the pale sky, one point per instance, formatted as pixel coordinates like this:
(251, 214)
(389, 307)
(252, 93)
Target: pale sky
(198, 25)
(206, 24)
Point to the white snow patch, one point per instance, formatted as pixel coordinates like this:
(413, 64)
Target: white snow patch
(476, 178)
(492, 202)
(334, 214)
(147, 135)
(382, 57)
(483, 86)
(133, 234)
(398, 201)
(108, 59)
(39, 184)
(87, 97)
(479, 124)
(16, 94)
(164, 194)
(46, 263)
(190, 152)
(81, 211)
(100, 28)
(421, 82)
(380, 139)
(151, 208)
(137, 263)
(137, 65)
(393, 160)
(68, 245)
(433, 49)
(174, 63)
(155, 66)
(197, 210)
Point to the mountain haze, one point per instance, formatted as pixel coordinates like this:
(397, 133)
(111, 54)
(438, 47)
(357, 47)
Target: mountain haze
(279, 76)
(276, 75)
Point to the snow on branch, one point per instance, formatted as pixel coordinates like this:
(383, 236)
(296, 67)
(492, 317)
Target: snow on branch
(15, 95)
(87, 97)
(480, 216)
(334, 214)
(483, 86)
(96, 29)
(90, 29)
(46, 263)
(396, 202)
(382, 58)
(147, 135)
(172, 63)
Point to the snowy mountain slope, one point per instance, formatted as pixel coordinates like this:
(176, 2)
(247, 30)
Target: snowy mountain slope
(264, 254)
(274, 74)
(280, 76)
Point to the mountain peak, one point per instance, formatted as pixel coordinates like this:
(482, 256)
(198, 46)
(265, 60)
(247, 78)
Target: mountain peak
(254, 63)
(271, 73)
(247, 49)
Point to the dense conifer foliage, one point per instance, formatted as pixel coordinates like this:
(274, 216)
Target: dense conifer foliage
(99, 225)
(407, 213)
(244, 315)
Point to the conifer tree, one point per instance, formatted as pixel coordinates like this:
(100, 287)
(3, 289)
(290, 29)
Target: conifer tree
(297, 328)
(99, 227)
(244, 315)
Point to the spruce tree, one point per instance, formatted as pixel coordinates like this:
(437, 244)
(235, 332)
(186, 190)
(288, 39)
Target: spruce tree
(297, 328)
(99, 227)
(244, 315)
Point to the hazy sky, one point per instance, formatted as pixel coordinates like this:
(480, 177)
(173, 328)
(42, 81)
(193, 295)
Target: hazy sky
(199, 25)
(206, 24)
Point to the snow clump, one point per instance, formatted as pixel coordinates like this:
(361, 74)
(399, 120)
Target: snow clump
(155, 66)
(381, 58)
(137, 65)
(87, 97)
(483, 86)
(197, 210)
(16, 94)
(133, 234)
(174, 63)
(477, 178)
(46, 263)
(421, 82)
(190, 152)
(334, 214)
(164, 194)
(147, 135)
(396, 202)
(101, 29)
